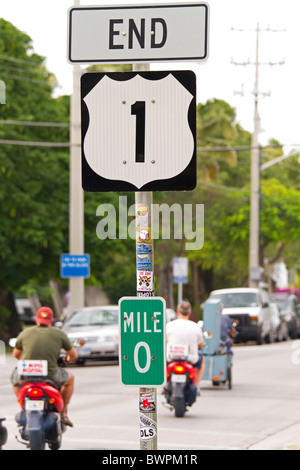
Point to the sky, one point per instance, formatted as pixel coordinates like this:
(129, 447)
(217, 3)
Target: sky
(232, 41)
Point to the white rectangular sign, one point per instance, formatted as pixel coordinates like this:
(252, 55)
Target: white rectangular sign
(33, 367)
(180, 270)
(138, 33)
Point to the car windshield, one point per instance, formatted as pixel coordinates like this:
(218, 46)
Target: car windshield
(283, 304)
(238, 299)
(93, 317)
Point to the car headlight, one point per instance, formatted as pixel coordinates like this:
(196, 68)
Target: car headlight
(109, 338)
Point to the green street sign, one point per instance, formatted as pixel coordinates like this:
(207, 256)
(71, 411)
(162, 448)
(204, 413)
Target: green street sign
(142, 341)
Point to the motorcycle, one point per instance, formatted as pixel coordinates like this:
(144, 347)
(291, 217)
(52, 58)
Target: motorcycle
(180, 391)
(41, 402)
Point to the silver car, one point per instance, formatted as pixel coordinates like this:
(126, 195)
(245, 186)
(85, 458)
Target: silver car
(95, 331)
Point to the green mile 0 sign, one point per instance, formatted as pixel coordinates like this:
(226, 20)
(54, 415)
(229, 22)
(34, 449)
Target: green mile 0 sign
(142, 341)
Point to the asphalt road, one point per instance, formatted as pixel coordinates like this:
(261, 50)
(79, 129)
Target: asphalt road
(262, 411)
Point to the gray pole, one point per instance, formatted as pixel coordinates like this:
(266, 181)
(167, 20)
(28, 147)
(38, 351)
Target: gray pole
(76, 222)
(253, 257)
(254, 197)
(144, 221)
(180, 292)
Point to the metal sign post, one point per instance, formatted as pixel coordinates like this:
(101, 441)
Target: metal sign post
(143, 205)
(180, 274)
(145, 287)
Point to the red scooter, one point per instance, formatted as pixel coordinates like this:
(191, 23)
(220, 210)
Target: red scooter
(180, 390)
(39, 420)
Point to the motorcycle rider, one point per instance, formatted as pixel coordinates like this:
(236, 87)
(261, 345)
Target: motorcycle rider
(186, 332)
(44, 342)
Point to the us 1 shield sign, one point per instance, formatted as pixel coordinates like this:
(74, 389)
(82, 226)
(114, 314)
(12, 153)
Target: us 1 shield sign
(138, 131)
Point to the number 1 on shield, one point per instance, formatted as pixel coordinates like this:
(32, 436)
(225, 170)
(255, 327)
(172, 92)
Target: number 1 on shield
(138, 109)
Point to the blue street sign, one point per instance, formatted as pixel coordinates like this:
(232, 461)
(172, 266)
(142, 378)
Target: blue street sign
(74, 265)
(180, 270)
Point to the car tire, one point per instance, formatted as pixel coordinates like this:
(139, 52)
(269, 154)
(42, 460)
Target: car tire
(269, 338)
(80, 362)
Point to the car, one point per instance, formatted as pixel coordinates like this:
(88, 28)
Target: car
(24, 310)
(280, 325)
(95, 332)
(288, 305)
(249, 308)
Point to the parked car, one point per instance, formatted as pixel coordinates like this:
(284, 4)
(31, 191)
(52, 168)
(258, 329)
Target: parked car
(99, 330)
(250, 309)
(24, 310)
(280, 325)
(288, 305)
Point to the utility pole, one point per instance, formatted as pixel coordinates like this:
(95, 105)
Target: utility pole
(254, 273)
(145, 198)
(76, 220)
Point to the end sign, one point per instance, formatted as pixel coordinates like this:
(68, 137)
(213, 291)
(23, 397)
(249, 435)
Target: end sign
(142, 341)
(138, 33)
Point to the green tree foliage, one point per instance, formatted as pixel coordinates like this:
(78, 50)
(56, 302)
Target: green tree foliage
(33, 179)
(113, 260)
(224, 189)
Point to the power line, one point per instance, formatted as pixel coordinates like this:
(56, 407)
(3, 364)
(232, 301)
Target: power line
(34, 144)
(17, 69)
(34, 123)
(243, 147)
(24, 79)
(65, 144)
(19, 61)
(224, 188)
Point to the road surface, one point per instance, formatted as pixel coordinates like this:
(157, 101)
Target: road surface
(262, 411)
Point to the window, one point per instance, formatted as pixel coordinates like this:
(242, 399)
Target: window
(238, 299)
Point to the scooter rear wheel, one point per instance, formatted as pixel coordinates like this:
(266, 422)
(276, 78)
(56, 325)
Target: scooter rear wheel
(179, 404)
(36, 440)
(55, 445)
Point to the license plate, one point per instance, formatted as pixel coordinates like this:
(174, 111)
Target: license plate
(178, 378)
(84, 352)
(32, 405)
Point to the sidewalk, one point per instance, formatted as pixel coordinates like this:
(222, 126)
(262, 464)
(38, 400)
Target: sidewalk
(287, 439)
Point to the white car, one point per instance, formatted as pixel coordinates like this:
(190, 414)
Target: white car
(96, 330)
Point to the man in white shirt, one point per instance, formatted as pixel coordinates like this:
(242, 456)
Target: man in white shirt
(183, 331)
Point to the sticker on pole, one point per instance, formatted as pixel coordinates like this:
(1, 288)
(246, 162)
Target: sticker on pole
(138, 131)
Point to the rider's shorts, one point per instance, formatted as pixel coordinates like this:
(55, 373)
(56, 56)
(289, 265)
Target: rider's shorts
(60, 377)
(198, 364)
